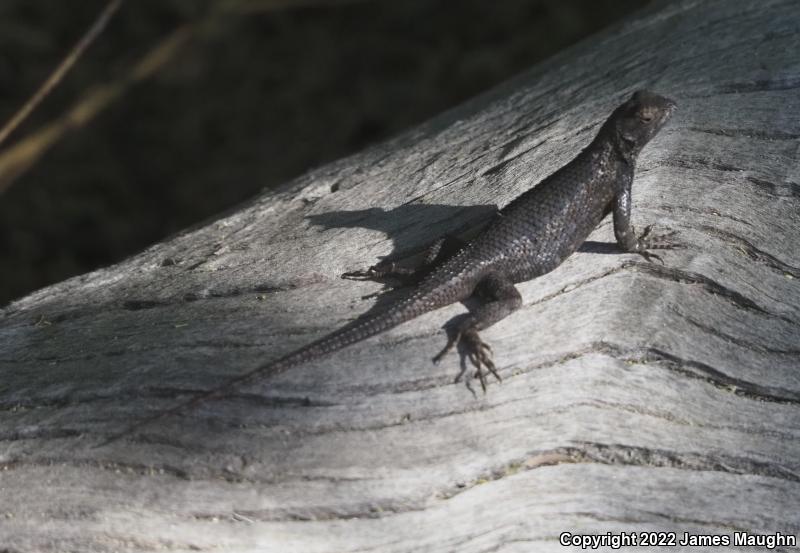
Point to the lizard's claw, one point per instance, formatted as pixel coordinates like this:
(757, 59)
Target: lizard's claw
(650, 256)
(478, 352)
(356, 275)
(452, 341)
(376, 271)
(659, 241)
(643, 236)
(480, 355)
(646, 242)
(381, 271)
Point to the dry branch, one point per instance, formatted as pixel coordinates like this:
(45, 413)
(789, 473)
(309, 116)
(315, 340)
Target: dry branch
(635, 396)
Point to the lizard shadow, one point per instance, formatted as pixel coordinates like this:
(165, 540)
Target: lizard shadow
(591, 246)
(410, 224)
(413, 228)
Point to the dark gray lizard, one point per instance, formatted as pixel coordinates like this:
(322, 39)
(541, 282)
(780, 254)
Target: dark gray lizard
(529, 237)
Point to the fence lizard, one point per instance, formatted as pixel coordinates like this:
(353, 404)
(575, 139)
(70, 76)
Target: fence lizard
(531, 236)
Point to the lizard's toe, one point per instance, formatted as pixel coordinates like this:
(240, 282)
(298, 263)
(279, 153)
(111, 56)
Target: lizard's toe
(379, 270)
(664, 242)
(656, 242)
(451, 342)
(649, 256)
(480, 355)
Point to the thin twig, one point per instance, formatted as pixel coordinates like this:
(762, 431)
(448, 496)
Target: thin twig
(18, 158)
(21, 156)
(65, 65)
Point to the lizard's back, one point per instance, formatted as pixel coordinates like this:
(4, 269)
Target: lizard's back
(538, 230)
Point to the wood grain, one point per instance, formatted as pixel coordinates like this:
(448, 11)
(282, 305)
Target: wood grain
(635, 397)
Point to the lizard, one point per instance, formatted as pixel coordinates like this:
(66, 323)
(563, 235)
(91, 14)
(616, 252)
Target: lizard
(529, 237)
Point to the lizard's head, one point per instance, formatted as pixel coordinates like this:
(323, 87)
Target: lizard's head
(638, 120)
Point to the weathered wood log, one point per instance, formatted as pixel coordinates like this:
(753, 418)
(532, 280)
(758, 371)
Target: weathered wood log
(635, 397)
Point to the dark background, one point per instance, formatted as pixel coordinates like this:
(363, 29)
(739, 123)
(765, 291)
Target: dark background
(262, 91)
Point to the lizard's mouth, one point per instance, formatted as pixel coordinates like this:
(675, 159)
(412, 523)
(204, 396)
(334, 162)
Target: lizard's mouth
(669, 109)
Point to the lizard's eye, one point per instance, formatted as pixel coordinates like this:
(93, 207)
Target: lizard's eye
(645, 115)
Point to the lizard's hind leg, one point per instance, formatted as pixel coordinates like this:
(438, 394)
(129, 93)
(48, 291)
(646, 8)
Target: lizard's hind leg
(500, 299)
(412, 269)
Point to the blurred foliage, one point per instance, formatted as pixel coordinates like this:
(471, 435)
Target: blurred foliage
(262, 94)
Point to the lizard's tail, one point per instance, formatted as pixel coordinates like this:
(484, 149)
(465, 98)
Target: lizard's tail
(420, 302)
(356, 331)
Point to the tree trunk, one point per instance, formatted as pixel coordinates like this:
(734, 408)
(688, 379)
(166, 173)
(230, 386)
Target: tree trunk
(636, 396)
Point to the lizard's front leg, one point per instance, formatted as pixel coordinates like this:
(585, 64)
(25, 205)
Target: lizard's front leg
(626, 234)
(501, 299)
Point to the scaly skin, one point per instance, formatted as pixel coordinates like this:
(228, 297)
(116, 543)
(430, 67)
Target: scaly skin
(531, 236)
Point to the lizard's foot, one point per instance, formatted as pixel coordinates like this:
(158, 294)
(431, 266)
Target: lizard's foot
(452, 341)
(646, 242)
(381, 271)
(478, 352)
(480, 355)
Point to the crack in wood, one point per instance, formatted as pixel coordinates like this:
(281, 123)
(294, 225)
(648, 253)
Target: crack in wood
(674, 275)
(718, 379)
(642, 355)
(150, 392)
(581, 453)
(712, 286)
(784, 82)
(751, 251)
(99, 464)
(300, 281)
(38, 433)
(759, 134)
(690, 368)
(787, 189)
(702, 211)
(747, 344)
(695, 163)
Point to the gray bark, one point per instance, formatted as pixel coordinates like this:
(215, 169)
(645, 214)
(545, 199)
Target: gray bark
(635, 397)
